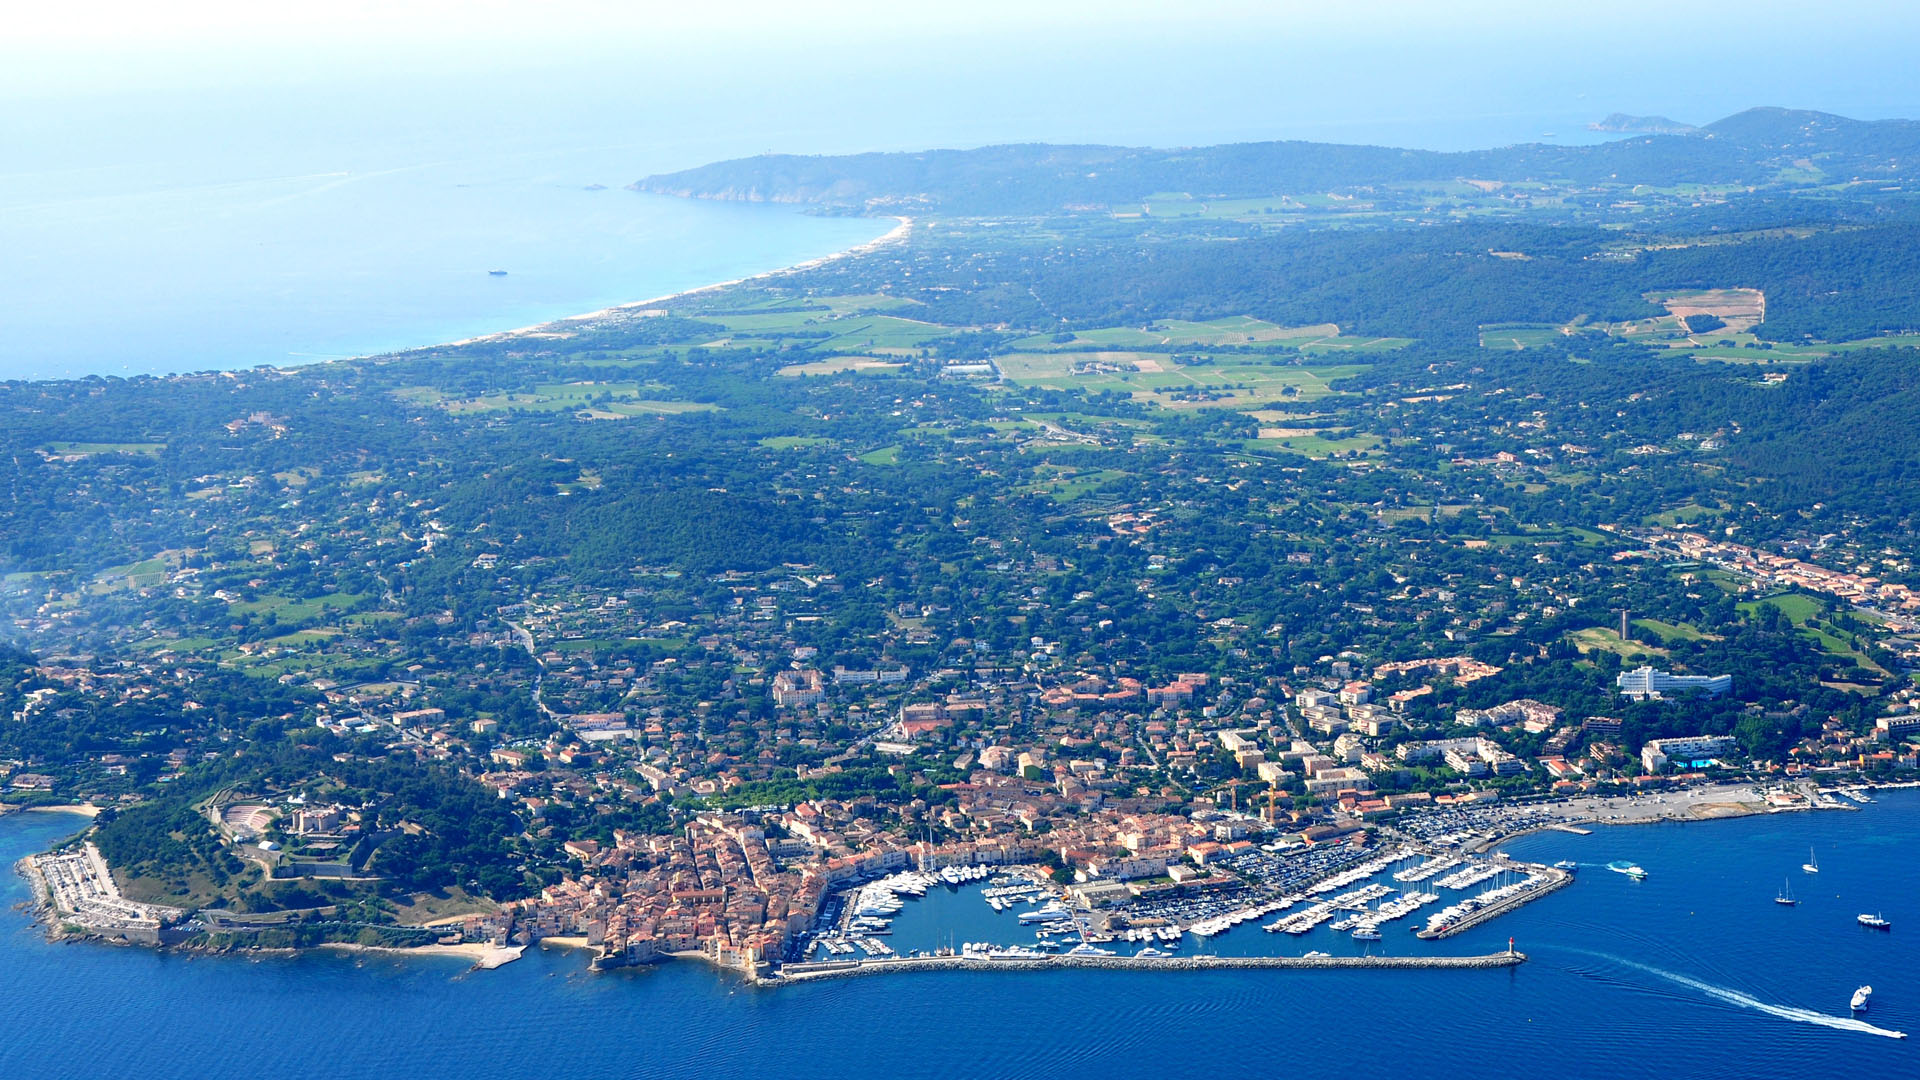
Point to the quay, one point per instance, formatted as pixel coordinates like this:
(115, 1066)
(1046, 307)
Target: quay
(794, 973)
(1556, 879)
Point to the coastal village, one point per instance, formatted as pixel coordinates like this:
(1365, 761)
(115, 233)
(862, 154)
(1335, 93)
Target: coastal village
(654, 686)
(1070, 816)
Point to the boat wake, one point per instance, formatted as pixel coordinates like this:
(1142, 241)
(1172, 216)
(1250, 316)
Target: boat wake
(1784, 1012)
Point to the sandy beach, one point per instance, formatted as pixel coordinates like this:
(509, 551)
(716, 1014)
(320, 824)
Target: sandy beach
(639, 308)
(83, 809)
(483, 955)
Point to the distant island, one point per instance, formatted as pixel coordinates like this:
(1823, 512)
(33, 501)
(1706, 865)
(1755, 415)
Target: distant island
(1646, 125)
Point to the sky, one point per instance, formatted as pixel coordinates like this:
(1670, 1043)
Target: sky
(221, 182)
(990, 70)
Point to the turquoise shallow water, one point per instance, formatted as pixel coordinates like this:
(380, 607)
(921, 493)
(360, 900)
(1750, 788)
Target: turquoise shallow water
(1694, 972)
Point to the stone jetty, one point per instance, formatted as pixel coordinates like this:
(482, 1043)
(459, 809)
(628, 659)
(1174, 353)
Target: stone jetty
(794, 973)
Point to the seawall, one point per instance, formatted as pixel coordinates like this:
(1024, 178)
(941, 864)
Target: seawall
(1557, 879)
(793, 973)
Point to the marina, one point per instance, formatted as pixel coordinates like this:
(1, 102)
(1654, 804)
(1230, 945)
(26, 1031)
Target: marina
(1769, 1003)
(1334, 901)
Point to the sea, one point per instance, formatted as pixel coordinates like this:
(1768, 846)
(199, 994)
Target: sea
(1693, 972)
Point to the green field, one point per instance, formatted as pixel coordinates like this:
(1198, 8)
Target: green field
(1213, 333)
(879, 333)
(1232, 330)
(1518, 338)
(1799, 608)
(1690, 512)
(592, 400)
(834, 365)
(89, 448)
(1599, 638)
(1670, 632)
(291, 609)
(1228, 381)
(1319, 446)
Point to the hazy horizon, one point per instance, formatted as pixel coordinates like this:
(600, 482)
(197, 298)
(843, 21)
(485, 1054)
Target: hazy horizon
(309, 167)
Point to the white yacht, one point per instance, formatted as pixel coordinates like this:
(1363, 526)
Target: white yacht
(1860, 997)
(1873, 922)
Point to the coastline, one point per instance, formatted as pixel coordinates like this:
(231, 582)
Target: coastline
(485, 957)
(570, 324)
(1717, 802)
(830, 970)
(85, 810)
(1705, 804)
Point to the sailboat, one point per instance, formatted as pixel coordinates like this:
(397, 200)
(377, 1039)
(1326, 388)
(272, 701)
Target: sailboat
(1812, 865)
(1785, 899)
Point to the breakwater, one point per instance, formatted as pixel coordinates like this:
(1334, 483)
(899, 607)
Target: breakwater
(1556, 879)
(793, 973)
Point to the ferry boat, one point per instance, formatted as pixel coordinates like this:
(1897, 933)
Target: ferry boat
(1860, 997)
(1812, 865)
(1627, 868)
(1785, 899)
(1566, 864)
(1873, 922)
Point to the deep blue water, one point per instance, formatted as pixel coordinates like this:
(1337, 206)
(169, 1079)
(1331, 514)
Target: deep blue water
(1693, 973)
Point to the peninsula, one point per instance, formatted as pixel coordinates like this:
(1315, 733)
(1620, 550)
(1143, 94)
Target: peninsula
(1143, 542)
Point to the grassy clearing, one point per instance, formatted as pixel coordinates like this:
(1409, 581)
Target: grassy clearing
(1520, 338)
(622, 410)
(1228, 381)
(886, 455)
(291, 609)
(86, 449)
(422, 909)
(843, 333)
(1232, 330)
(1799, 608)
(1601, 639)
(596, 400)
(1318, 446)
(1668, 633)
(1692, 512)
(835, 365)
(788, 442)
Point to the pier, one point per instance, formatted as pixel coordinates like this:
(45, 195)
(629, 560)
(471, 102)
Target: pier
(1556, 879)
(794, 973)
